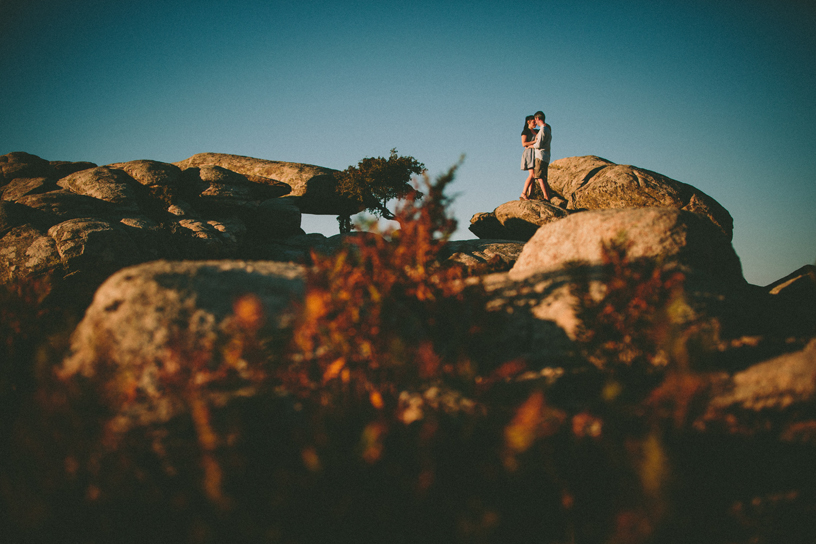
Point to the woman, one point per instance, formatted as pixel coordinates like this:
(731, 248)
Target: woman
(528, 136)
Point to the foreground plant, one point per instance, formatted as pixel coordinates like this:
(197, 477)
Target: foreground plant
(383, 315)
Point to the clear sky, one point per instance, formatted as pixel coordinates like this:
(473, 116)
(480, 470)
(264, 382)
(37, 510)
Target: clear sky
(720, 95)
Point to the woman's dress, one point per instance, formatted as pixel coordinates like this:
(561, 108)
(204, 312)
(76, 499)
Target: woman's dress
(528, 156)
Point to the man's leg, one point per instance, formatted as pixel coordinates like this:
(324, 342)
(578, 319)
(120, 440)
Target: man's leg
(541, 177)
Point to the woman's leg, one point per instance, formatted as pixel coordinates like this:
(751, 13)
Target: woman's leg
(528, 185)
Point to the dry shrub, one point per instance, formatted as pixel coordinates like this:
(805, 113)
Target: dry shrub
(631, 324)
(382, 315)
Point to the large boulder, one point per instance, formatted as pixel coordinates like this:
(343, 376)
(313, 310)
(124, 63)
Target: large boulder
(148, 318)
(515, 220)
(314, 185)
(593, 183)
(653, 233)
(776, 395)
(109, 185)
(150, 173)
(25, 165)
(219, 190)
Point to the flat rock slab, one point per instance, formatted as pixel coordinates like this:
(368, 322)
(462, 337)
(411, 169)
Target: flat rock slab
(150, 173)
(314, 186)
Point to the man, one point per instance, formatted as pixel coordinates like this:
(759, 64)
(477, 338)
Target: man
(542, 153)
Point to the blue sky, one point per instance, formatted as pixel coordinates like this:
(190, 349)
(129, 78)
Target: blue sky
(720, 95)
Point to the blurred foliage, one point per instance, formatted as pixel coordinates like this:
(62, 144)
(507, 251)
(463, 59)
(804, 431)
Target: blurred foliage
(382, 315)
(630, 325)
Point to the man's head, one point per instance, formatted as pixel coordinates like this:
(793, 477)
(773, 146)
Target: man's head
(539, 117)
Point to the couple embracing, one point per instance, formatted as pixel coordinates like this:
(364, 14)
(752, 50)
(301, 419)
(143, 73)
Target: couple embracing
(536, 138)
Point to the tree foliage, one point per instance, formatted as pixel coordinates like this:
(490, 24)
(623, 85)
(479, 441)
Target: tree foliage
(376, 181)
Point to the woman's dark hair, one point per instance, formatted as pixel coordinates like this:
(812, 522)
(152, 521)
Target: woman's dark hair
(526, 130)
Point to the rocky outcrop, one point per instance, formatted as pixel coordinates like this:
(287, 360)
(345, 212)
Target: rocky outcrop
(515, 220)
(593, 183)
(103, 184)
(25, 165)
(150, 173)
(314, 186)
(20, 187)
(653, 233)
(102, 218)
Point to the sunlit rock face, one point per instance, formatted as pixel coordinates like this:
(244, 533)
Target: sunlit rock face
(314, 186)
(515, 220)
(83, 222)
(593, 183)
(666, 234)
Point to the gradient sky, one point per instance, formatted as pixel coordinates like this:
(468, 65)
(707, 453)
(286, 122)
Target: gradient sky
(720, 95)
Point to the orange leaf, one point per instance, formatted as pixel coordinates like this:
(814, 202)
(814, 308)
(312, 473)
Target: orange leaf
(334, 369)
(376, 400)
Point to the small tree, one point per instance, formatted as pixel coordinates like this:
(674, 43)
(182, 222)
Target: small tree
(375, 181)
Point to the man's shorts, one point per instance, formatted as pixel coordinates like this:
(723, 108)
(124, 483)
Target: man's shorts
(540, 171)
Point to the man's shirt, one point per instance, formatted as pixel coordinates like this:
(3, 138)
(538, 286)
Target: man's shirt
(542, 143)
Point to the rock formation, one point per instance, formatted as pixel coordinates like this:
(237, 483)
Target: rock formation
(593, 183)
(653, 233)
(83, 222)
(515, 220)
(313, 186)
